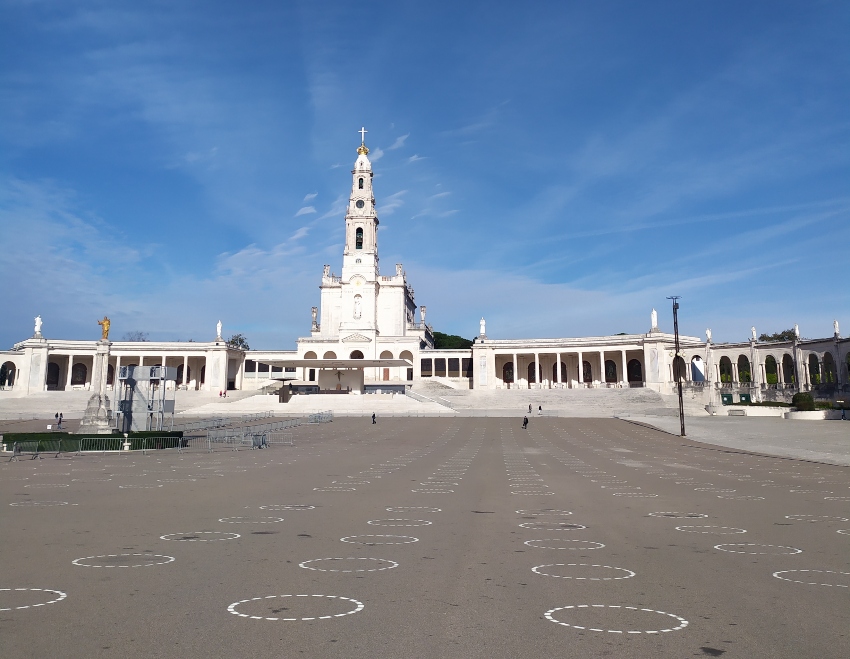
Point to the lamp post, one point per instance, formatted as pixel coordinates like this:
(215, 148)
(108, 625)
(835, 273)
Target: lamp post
(675, 299)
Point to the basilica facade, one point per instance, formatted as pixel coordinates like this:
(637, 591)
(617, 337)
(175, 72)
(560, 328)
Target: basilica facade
(365, 336)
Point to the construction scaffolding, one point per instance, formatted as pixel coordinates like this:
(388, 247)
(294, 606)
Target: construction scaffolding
(145, 400)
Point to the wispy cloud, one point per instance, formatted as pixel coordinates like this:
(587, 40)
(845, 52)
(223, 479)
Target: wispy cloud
(376, 154)
(416, 157)
(310, 196)
(392, 202)
(306, 210)
(399, 142)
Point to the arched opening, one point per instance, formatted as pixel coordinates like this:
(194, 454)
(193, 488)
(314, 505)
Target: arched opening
(180, 379)
(563, 372)
(385, 372)
(586, 372)
(508, 373)
(788, 368)
(634, 370)
(360, 183)
(829, 374)
(356, 354)
(532, 377)
(78, 374)
(386, 354)
(610, 371)
(406, 354)
(814, 369)
(7, 375)
(771, 372)
(358, 238)
(725, 369)
(110, 374)
(678, 369)
(330, 354)
(744, 373)
(697, 369)
(52, 380)
(310, 355)
(203, 374)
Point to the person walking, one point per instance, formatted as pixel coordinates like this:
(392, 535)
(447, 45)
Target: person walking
(61, 417)
(373, 419)
(539, 410)
(529, 408)
(525, 423)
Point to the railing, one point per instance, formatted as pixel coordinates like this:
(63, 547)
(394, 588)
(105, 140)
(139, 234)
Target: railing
(321, 417)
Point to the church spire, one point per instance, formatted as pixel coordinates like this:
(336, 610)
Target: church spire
(363, 150)
(361, 219)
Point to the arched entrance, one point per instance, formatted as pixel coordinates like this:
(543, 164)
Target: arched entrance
(386, 354)
(110, 374)
(355, 354)
(788, 369)
(679, 369)
(78, 374)
(814, 369)
(180, 379)
(725, 369)
(586, 372)
(508, 373)
(697, 369)
(52, 380)
(531, 376)
(829, 373)
(563, 372)
(744, 373)
(634, 371)
(330, 354)
(610, 371)
(406, 354)
(7, 375)
(771, 372)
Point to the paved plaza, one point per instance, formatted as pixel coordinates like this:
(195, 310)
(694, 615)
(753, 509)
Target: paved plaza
(437, 537)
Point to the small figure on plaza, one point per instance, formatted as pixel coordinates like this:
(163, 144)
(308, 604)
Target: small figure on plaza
(218, 330)
(708, 334)
(38, 325)
(104, 325)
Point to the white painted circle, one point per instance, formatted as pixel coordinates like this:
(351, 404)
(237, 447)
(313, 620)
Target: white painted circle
(46, 485)
(634, 495)
(552, 526)
(719, 530)
(745, 548)
(376, 562)
(176, 480)
(626, 574)
(836, 498)
(249, 520)
(131, 557)
(378, 539)
(193, 536)
(138, 487)
(581, 545)
(399, 522)
(60, 597)
(407, 509)
(677, 515)
(816, 518)
(288, 506)
(682, 622)
(533, 493)
(843, 531)
(713, 489)
(544, 511)
(805, 573)
(334, 489)
(28, 504)
(358, 606)
(420, 491)
(740, 497)
(90, 480)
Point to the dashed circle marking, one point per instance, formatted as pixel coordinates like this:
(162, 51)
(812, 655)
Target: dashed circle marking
(250, 520)
(634, 495)
(46, 485)
(195, 536)
(581, 544)
(719, 530)
(80, 561)
(399, 522)
(27, 504)
(334, 489)
(628, 574)
(544, 511)
(550, 616)
(552, 526)
(740, 497)
(678, 515)
(368, 539)
(377, 561)
(816, 518)
(744, 545)
(358, 606)
(407, 509)
(33, 590)
(138, 487)
(813, 583)
(288, 506)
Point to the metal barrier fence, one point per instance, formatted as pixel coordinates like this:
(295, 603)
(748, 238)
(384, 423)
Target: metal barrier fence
(321, 417)
(280, 438)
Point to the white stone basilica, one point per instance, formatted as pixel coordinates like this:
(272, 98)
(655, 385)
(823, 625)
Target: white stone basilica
(365, 338)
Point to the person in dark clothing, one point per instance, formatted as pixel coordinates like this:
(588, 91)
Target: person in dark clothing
(525, 423)
(529, 408)
(373, 419)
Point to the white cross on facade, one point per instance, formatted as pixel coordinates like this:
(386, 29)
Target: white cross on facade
(363, 132)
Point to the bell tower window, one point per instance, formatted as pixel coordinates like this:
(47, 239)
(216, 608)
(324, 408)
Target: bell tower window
(360, 183)
(358, 239)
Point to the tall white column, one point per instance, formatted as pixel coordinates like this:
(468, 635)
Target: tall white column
(185, 371)
(624, 378)
(601, 366)
(70, 368)
(735, 376)
(537, 377)
(516, 370)
(580, 369)
(558, 367)
(115, 381)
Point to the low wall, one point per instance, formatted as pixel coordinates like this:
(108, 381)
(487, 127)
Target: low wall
(817, 415)
(755, 410)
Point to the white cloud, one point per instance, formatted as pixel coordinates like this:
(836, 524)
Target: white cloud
(306, 210)
(389, 205)
(303, 231)
(310, 196)
(375, 154)
(399, 142)
(415, 157)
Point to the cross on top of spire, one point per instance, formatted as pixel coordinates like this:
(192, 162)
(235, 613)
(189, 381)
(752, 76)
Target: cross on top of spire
(363, 132)
(363, 149)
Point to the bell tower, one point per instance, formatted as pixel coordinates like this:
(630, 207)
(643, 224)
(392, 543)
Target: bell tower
(361, 220)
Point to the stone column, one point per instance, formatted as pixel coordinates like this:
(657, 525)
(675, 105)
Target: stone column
(735, 378)
(185, 371)
(516, 370)
(601, 368)
(537, 377)
(97, 417)
(115, 381)
(580, 369)
(68, 374)
(624, 377)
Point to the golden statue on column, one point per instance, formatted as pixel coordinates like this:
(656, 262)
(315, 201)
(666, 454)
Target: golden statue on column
(104, 324)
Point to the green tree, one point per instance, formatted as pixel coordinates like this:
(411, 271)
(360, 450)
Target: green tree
(785, 335)
(238, 341)
(450, 341)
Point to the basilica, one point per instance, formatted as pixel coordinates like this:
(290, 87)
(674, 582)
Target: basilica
(365, 337)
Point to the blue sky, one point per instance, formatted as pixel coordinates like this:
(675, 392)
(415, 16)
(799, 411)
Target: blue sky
(556, 167)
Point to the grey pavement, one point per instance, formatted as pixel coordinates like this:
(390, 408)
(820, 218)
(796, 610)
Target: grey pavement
(458, 537)
(822, 441)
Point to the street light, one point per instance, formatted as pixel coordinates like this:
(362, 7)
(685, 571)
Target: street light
(678, 356)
